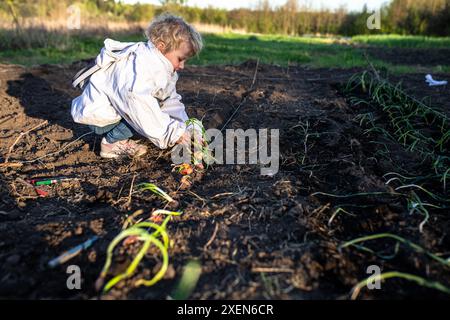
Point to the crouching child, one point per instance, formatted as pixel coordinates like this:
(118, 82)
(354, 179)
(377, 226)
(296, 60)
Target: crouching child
(132, 88)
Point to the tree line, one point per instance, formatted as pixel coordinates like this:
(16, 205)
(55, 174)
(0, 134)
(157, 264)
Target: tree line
(409, 17)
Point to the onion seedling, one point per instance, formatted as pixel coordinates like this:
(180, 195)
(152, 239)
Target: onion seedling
(201, 149)
(399, 239)
(395, 274)
(140, 231)
(188, 281)
(156, 190)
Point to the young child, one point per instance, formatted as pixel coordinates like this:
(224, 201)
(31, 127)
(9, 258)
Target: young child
(132, 89)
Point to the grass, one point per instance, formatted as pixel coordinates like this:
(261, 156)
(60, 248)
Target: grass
(235, 48)
(400, 41)
(312, 52)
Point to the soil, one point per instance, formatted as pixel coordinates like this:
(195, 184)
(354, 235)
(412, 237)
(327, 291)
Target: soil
(412, 56)
(256, 237)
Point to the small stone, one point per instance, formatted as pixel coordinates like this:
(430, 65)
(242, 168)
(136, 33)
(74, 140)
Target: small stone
(79, 230)
(173, 205)
(92, 256)
(170, 273)
(14, 259)
(258, 200)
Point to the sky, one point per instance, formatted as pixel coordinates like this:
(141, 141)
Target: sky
(317, 4)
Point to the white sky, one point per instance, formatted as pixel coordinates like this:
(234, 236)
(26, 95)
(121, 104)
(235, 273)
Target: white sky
(317, 4)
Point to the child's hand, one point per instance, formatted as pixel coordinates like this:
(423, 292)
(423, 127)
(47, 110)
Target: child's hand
(185, 138)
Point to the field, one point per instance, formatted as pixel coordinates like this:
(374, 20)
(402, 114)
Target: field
(357, 160)
(404, 54)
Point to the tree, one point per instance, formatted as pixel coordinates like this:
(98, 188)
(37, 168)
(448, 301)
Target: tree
(264, 23)
(171, 2)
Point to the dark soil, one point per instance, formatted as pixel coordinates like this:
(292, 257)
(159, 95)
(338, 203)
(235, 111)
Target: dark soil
(273, 240)
(412, 56)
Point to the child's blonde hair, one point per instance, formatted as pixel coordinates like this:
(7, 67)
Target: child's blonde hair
(172, 31)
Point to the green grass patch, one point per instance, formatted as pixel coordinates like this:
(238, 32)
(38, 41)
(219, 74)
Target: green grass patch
(399, 41)
(236, 48)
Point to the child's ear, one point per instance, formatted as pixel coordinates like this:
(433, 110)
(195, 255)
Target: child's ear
(161, 46)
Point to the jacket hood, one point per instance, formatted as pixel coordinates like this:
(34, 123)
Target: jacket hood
(115, 50)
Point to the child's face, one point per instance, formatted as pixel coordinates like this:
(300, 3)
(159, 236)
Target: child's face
(179, 56)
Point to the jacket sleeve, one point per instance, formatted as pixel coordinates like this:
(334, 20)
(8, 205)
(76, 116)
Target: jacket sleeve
(176, 110)
(174, 107)
(146, 117)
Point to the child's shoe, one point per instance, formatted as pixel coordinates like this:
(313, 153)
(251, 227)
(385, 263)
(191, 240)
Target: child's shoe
(121, 148)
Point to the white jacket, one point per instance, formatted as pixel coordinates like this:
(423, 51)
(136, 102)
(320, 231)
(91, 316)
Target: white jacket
(139, 86)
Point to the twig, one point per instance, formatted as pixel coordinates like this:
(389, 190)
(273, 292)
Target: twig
(131, 190)
(235, 111)
(20, 136)
(28, 185)
(244, 99)
(19, 164)
(6, 118)
(10, 164)
(197, 196)
(321, 209)
(163, 154)
(277, 270)
(212, 237)
(223, 194)
(254, 75)
(130, 219)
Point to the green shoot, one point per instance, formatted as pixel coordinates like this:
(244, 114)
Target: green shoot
(156, 190)
(395, 274)
(335, 213)
(197, 123)
(201, 149)
(412, 245)
(356, 194)
(419, 128)
(140, 230)
(188, 281)
(432, 195)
